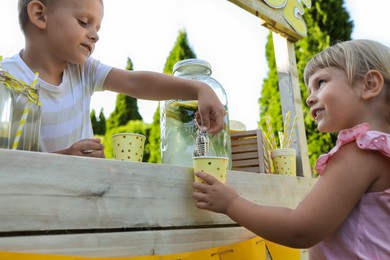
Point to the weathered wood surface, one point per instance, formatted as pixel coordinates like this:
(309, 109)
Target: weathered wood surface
(83, 206)
(271, 18)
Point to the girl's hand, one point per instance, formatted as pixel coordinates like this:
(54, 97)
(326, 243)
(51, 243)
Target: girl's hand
(213, 195)
(86, 147)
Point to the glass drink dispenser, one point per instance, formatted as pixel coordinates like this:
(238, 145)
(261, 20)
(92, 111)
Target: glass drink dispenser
(179, 130)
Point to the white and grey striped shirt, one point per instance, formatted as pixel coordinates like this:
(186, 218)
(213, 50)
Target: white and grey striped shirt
(65, 108)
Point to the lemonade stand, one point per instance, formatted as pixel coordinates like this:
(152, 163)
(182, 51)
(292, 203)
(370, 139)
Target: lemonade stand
(66, 207)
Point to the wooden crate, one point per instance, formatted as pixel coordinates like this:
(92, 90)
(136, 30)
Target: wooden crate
(249, 152)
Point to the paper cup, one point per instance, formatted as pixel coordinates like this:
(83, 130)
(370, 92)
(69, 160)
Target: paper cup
(212, 165)
(128, 147)
(284, 161)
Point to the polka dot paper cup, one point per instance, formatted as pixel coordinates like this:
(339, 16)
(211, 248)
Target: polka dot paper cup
(284, 161)
(213, 165)
(128, 147)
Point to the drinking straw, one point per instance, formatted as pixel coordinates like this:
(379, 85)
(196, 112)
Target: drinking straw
(292, 131)
(22, 121)
(281, 139)
(283, 143)
(21, 126)
(267, 147)
(270, 132)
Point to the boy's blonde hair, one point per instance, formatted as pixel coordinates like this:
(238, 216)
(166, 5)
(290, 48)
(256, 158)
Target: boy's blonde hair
(22, 10)
(355, 57)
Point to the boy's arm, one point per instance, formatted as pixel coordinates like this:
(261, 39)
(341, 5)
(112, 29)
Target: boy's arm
(159, 86)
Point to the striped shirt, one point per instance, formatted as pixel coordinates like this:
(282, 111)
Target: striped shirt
(65, 108)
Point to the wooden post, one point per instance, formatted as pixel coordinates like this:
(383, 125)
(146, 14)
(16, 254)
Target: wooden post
(290, 98)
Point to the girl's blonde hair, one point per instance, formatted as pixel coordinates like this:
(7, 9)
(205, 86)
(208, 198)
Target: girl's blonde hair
(355, 57)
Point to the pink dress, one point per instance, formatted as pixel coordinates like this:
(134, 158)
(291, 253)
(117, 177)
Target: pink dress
(365, 234)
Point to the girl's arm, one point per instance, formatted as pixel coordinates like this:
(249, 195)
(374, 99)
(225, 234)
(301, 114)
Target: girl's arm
(348, 176)
(159, 86)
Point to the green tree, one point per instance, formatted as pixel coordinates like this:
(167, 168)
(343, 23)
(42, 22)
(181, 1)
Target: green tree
(94, 120)
(154, 138)
(180, 51)
(98, 125)
(327, 22)
(102, 123)
(126, 107)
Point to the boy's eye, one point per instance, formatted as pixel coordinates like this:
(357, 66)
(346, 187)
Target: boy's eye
(82, 23)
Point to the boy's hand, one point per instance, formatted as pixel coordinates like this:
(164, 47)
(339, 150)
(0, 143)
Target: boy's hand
(86, 147)
(211, 111)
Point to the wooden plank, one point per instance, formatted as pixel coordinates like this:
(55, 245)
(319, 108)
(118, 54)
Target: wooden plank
(244, 148)
(253, 162)
(246, 141)
(126, 243)
(241, 134)
(246, 155)
(77, 193)
(248, 169)
(271, 18)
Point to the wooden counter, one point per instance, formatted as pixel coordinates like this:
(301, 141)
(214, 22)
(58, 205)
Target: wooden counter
(69, 205)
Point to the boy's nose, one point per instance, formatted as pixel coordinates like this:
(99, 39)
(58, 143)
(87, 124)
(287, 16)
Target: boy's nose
(94, 36)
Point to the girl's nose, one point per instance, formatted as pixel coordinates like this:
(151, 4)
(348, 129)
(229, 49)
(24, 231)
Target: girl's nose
(310, 100)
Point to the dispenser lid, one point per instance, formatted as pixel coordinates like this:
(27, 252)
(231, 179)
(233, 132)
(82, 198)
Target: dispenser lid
(191, 62)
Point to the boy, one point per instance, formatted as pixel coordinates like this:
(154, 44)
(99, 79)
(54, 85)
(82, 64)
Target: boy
(60, 36)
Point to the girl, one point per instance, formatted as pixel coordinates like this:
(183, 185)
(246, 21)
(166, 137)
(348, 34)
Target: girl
(346, 215)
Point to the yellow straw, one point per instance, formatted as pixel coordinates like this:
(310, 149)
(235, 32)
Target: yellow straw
(22, 121)
(292, 131)
(285, 130)
(281, 139)
(21, 126)
(270, 132)
(267, 147)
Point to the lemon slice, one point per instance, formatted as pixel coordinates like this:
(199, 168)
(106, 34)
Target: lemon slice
(189, 104)
(236, 126)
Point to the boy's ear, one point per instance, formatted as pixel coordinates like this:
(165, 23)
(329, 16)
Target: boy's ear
(37, 13)
(373, 84)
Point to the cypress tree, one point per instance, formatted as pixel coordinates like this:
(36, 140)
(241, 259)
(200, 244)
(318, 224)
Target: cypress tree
(94, 121)
(126, 107)
(102, 123)
(98, 125)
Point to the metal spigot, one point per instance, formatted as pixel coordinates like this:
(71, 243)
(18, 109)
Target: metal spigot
(202, 144)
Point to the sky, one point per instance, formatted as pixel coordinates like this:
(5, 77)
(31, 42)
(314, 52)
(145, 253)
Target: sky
(228, 37)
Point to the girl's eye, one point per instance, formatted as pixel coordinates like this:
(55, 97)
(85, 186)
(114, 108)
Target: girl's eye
(321, 83)
(82, 23)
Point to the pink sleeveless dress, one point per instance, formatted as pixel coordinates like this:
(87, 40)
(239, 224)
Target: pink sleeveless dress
(365, 234)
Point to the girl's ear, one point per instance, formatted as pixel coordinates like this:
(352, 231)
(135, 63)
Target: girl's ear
(37, 13)
(373, 84)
